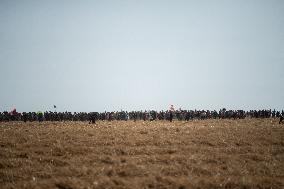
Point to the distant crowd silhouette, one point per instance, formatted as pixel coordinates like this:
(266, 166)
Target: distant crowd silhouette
(152, 115)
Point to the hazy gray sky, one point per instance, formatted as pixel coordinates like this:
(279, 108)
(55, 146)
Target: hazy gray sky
(134, 55)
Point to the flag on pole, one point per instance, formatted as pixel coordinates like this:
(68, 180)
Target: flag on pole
(54, 106)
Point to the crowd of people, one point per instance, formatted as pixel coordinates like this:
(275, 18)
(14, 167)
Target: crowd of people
(170, 115)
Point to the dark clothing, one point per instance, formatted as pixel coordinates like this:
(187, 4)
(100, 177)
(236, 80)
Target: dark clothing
(281, 119)
(171, 116)
(93, 118)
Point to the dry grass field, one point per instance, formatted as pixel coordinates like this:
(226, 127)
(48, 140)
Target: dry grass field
(209, 154)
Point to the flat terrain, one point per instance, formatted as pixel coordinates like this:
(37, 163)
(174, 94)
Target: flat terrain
(245, 153)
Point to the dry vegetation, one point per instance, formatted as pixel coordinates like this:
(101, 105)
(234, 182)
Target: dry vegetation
(197, 154)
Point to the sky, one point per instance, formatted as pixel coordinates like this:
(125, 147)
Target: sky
(141, 55)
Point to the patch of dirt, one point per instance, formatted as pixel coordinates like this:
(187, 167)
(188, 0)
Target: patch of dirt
(246, 153)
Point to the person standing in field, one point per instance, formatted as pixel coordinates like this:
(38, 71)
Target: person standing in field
(92, 118)
(40, 116)
(172, 109)
(25, 117)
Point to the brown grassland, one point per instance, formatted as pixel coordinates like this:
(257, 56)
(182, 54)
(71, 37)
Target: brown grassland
(246, 153)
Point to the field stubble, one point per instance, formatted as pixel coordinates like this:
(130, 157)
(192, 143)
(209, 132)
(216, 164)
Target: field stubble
(245, 153)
